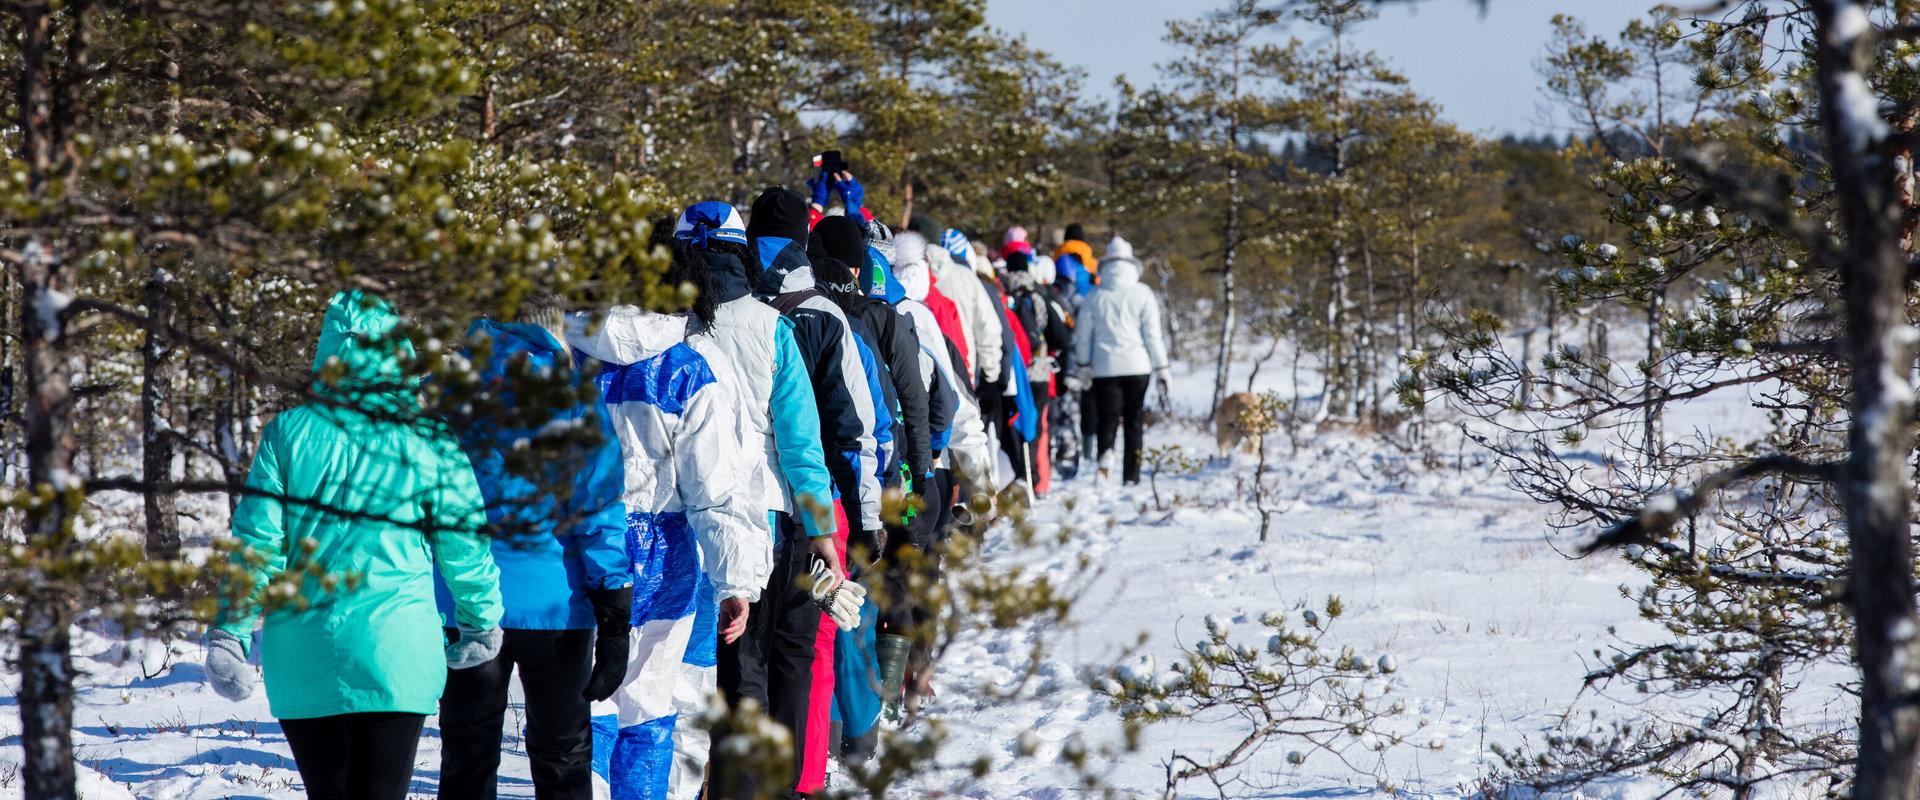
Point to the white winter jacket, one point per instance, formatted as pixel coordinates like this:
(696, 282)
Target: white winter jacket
(1117, 331)
(682, 426)
(968, 449)
(961, 285)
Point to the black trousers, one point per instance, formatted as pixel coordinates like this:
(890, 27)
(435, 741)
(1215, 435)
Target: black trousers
(1122, 399)
(772, 662)
(367, 756)
(916, 553)
(553, 671)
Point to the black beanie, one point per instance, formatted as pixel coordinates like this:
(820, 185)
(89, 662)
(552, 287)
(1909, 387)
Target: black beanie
(926, 226)
(778, 212)
(841, 238)
(1075, 233)
(1016, 261)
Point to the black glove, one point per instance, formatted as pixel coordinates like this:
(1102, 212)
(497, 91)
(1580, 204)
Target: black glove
(873, 542)
(613, 613)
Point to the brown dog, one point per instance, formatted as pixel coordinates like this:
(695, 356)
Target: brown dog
(1227, 430)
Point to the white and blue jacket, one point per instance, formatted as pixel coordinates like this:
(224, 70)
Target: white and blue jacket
(694, 537)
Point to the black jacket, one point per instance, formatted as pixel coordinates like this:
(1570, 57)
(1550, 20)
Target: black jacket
(891, 337)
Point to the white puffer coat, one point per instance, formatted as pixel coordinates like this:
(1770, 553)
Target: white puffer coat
(968, 449)
(682, 426)
(1118, 329)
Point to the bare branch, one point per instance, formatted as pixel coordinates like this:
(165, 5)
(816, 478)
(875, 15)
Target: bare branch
(1668, 510)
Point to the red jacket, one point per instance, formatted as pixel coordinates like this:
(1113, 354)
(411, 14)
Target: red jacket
(948, 315)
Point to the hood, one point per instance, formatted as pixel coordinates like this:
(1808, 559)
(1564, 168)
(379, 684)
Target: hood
(625, 334)
(1119, 274)
(981, 265)
(784, 266)
(878, 276)
(1076, 248)
(1119, 253)
(730, 279)
(915, 280)
(910, 265)
(778, 212)
(938, 261)
(509, 338)
(357, 334)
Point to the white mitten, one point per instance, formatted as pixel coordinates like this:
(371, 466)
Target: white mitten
(841, 599)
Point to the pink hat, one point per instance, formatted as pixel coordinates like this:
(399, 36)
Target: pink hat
(1015, 242)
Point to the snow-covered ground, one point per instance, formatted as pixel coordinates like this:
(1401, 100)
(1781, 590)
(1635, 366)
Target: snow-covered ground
(1442, 566)
(1445, 569)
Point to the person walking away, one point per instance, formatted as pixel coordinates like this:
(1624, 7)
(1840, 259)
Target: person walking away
(963, 457)
(955, 273)
(1074, 257)
(1029, 287)
(1079, 272)
(858, 682)
(699, 545)
(777, 232)
(774, 658)
(348, 485)
(1119, 345)
(894, 343)
(559, 538)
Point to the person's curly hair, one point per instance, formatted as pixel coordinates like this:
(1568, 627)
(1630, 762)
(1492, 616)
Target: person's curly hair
(690, 267)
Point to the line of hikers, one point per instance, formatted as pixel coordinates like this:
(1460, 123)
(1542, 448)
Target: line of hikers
(720, 536)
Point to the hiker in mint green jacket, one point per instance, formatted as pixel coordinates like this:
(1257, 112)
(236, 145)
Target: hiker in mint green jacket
(355, 490)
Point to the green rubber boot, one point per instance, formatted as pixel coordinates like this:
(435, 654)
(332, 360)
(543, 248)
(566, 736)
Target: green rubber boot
(892, 651)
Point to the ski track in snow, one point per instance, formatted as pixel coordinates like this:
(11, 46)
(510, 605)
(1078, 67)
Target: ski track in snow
(1445, 568)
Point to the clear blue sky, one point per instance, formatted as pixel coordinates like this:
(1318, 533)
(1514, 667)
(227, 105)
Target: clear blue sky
(1480, 69)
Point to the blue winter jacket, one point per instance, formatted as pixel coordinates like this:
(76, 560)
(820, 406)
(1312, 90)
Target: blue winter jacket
(550, 550)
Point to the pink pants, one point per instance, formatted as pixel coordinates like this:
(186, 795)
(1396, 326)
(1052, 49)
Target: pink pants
(813, 755)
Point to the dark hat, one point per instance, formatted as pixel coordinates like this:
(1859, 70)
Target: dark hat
(841, 238)
(925, 226)
(778, 212)
(1075, 233)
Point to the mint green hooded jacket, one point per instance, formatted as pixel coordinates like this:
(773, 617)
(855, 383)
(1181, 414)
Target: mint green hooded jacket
(350, 492)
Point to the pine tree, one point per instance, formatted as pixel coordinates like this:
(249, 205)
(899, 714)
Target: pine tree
(184, 186)
(1773, 271)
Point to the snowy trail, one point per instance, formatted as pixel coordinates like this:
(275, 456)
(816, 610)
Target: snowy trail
(1448, 570)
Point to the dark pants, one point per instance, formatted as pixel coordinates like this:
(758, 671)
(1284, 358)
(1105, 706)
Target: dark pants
(916, 553)
(1121, 400)
(772, 662)
(365, 756)
(553, 671)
